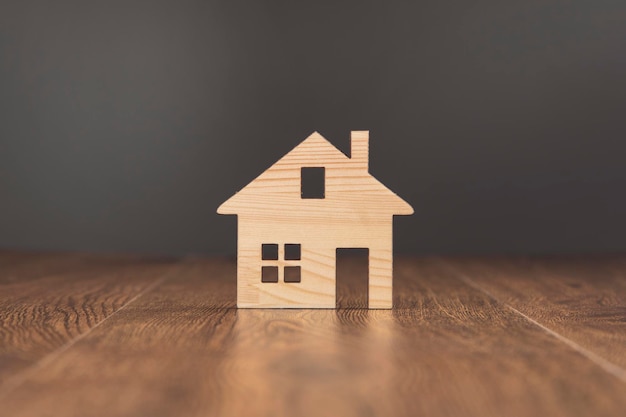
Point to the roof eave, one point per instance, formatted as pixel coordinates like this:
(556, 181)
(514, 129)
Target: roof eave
(224, 208)
(404, 210)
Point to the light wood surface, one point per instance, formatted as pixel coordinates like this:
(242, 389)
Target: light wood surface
(107, 336)
(356, 212)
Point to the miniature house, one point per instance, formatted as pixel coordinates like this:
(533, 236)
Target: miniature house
(294, 217)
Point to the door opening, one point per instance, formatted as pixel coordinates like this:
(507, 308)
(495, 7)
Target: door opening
(352, 273)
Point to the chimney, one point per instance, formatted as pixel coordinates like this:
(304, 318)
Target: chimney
(360, 148)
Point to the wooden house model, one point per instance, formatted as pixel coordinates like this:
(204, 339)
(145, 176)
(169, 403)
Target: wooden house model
(296, 214)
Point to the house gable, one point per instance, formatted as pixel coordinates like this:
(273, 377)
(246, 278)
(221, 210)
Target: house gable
(349, 188)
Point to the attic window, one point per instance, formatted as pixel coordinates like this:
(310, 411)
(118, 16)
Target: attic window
(313, 182)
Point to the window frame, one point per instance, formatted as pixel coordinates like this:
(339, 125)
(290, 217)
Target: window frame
(283, 262)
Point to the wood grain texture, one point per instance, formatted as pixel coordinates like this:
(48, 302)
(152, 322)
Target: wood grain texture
(356, 212)
(583, 300)
(48, 300)
(447, 349)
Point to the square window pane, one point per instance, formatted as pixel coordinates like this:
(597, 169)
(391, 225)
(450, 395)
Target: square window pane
(269, 252)
(269, 274)
(292, 274)
(292, 251)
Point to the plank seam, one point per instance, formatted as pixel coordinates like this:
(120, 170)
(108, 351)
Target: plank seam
(608, 366)
(13, 382)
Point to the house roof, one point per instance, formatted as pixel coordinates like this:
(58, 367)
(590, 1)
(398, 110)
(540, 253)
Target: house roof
(349, 185)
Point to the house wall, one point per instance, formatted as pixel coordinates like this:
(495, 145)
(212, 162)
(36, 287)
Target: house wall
(319, 239)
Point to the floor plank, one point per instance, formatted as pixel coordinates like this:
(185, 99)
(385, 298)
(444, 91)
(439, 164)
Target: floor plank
(447, 349)
(47, 300)
(584, 300)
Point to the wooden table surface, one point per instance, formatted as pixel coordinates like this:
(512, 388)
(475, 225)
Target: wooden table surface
(94, 335)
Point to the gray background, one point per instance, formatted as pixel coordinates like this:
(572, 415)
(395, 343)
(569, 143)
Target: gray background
(124, 124)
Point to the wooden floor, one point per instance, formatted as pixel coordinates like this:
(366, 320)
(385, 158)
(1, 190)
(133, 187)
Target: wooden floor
(86, 335)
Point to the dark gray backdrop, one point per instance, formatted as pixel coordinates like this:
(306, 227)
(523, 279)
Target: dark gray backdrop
(124, 124)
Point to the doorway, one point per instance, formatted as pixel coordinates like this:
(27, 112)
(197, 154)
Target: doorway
(352, 277)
